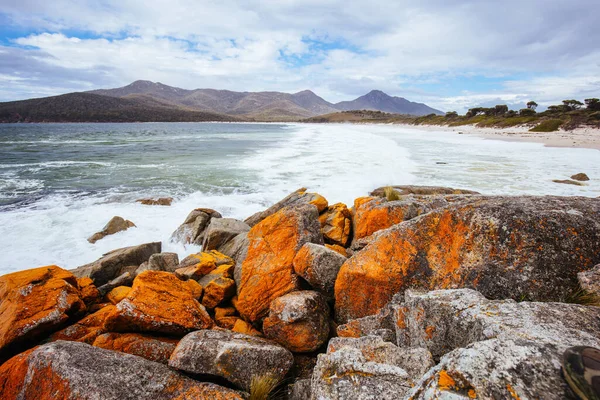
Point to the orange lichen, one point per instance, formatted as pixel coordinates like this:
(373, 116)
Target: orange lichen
(372, 214)
(445, 381)
(217, 291)
(429, 331)
(89, 292)
(207, 262)
(242, 326)
(512, 392)
(339, 249)
(336, 224)
(152, 348)
(87, 329)
(118, 294)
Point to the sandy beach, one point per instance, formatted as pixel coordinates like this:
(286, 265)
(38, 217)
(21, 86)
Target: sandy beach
(588, 138)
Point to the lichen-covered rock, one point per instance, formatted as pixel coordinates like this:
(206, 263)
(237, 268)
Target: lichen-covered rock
(404, 190)
(195, 266)
(590, 280)
(159, 303)
(34, 303)
(241, 326)
(87, 329)
(218, 291)
(336, 224)
(222, 230)
(160, 262)
(372, 214)
(153, 348)
(347, 374)
(71, 370)
(192, 229)
(299, 321)
(505, 247)
(118, 294)
(299, 197)
(232, 356)
(338, 249)
(87, 289)
(110, 265)
(299, 390)
(116, 224)
(267, 271)
(319, 266)
(381, 324)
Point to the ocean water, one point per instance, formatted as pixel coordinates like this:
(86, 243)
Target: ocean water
(60, 183)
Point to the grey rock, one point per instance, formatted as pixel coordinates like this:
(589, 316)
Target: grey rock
(125, 279)
(299, 390)
(298, 197)
(109, 266)
(232, 356)
(319, 266)
(160, 262)
(73, 370)
(237, 248)
(580, 177)
(192, 229)
(381, 324)
(116, 224)
(222, 230)
(590, 280)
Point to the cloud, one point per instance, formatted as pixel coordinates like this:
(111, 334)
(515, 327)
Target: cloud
(507, 51)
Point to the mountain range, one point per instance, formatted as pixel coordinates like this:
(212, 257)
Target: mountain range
(153, 101)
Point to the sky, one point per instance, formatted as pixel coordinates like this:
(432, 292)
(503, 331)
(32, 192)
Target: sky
(449, 54)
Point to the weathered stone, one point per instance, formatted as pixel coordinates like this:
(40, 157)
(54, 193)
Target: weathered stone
(381, 324)
(336, 224)
(505, 247)
(590, 280)
(568, 182)
(161, 201)
(87, 329)
(232, 356)
(109, 266)
(118, 294)
(299, 197)
(337, 248)
(71, 370)
(222, 230)
(196, 266)
(218, 291)
(116, 224)
(34, 303)
(160, 262)
(125, 279)
(267, 272)
(299, 321)
(319, 266)
(157, 349)
(347, 374)
(404, 190)
(299, 390)
(159, 303)
(580, 177)
(192, 229)
(89, 292)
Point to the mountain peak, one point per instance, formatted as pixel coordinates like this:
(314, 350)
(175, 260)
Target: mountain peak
(377, 100)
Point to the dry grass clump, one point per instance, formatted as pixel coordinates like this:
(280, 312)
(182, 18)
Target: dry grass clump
(391, 194)
(262, 386)
(584, 298)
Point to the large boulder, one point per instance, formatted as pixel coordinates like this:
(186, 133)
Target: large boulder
(493, 348)
(233, 356)
(319, 266)
(267, 271)
(336, 224)
(111, 264)
(192, 229)
(153, 348)
(299, 321)
(505, 247)
(160, 262)
(34, 303)
(299, 197)
(71, 370)
(116, 224)
(159, 303)
(222, 230)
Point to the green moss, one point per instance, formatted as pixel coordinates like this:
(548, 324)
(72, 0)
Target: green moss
(550, 125)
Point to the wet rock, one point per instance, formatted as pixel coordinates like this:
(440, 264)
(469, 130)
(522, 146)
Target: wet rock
(160, 262)
(232, 356)
(299, 321)
(153, 348)
(34, 303)
(161, 201)
(580, 177)
(198, 265)
(319, 266)
(109, 266)
(192, 229)
(505, 247)
(222, 230)
(87, 289)
(116, 224)
(159, 303)
(118, 294)
(336, 224)
(568, 182)
(299, 197)
(267, 271)
(71, 370)
(590, 280)
(125, 279)
(404, 190)
(87, 329)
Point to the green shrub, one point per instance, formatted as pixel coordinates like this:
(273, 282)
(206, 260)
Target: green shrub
(550, 125)
(527, 112)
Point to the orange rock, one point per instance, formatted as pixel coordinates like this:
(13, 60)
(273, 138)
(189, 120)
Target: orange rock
(338, 249)
(159, 303)
(34, 303)
(196, 288)
(336, 224)
(218, 291)
(267, 271)
(87, 329)
(297, 198)
(371, 215)
(204, 263)
(318, 201)
(89, 292)
(242, 326)
(226, 322)
(118, 294)
(221, 312)
(151, 348)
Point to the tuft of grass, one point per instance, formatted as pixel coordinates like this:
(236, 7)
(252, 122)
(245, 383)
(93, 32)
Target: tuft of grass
(550, 125)
(391, 194)
(262, 386)
(583, 297)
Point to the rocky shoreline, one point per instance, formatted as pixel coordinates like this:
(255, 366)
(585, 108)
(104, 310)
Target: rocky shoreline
(412, 293)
